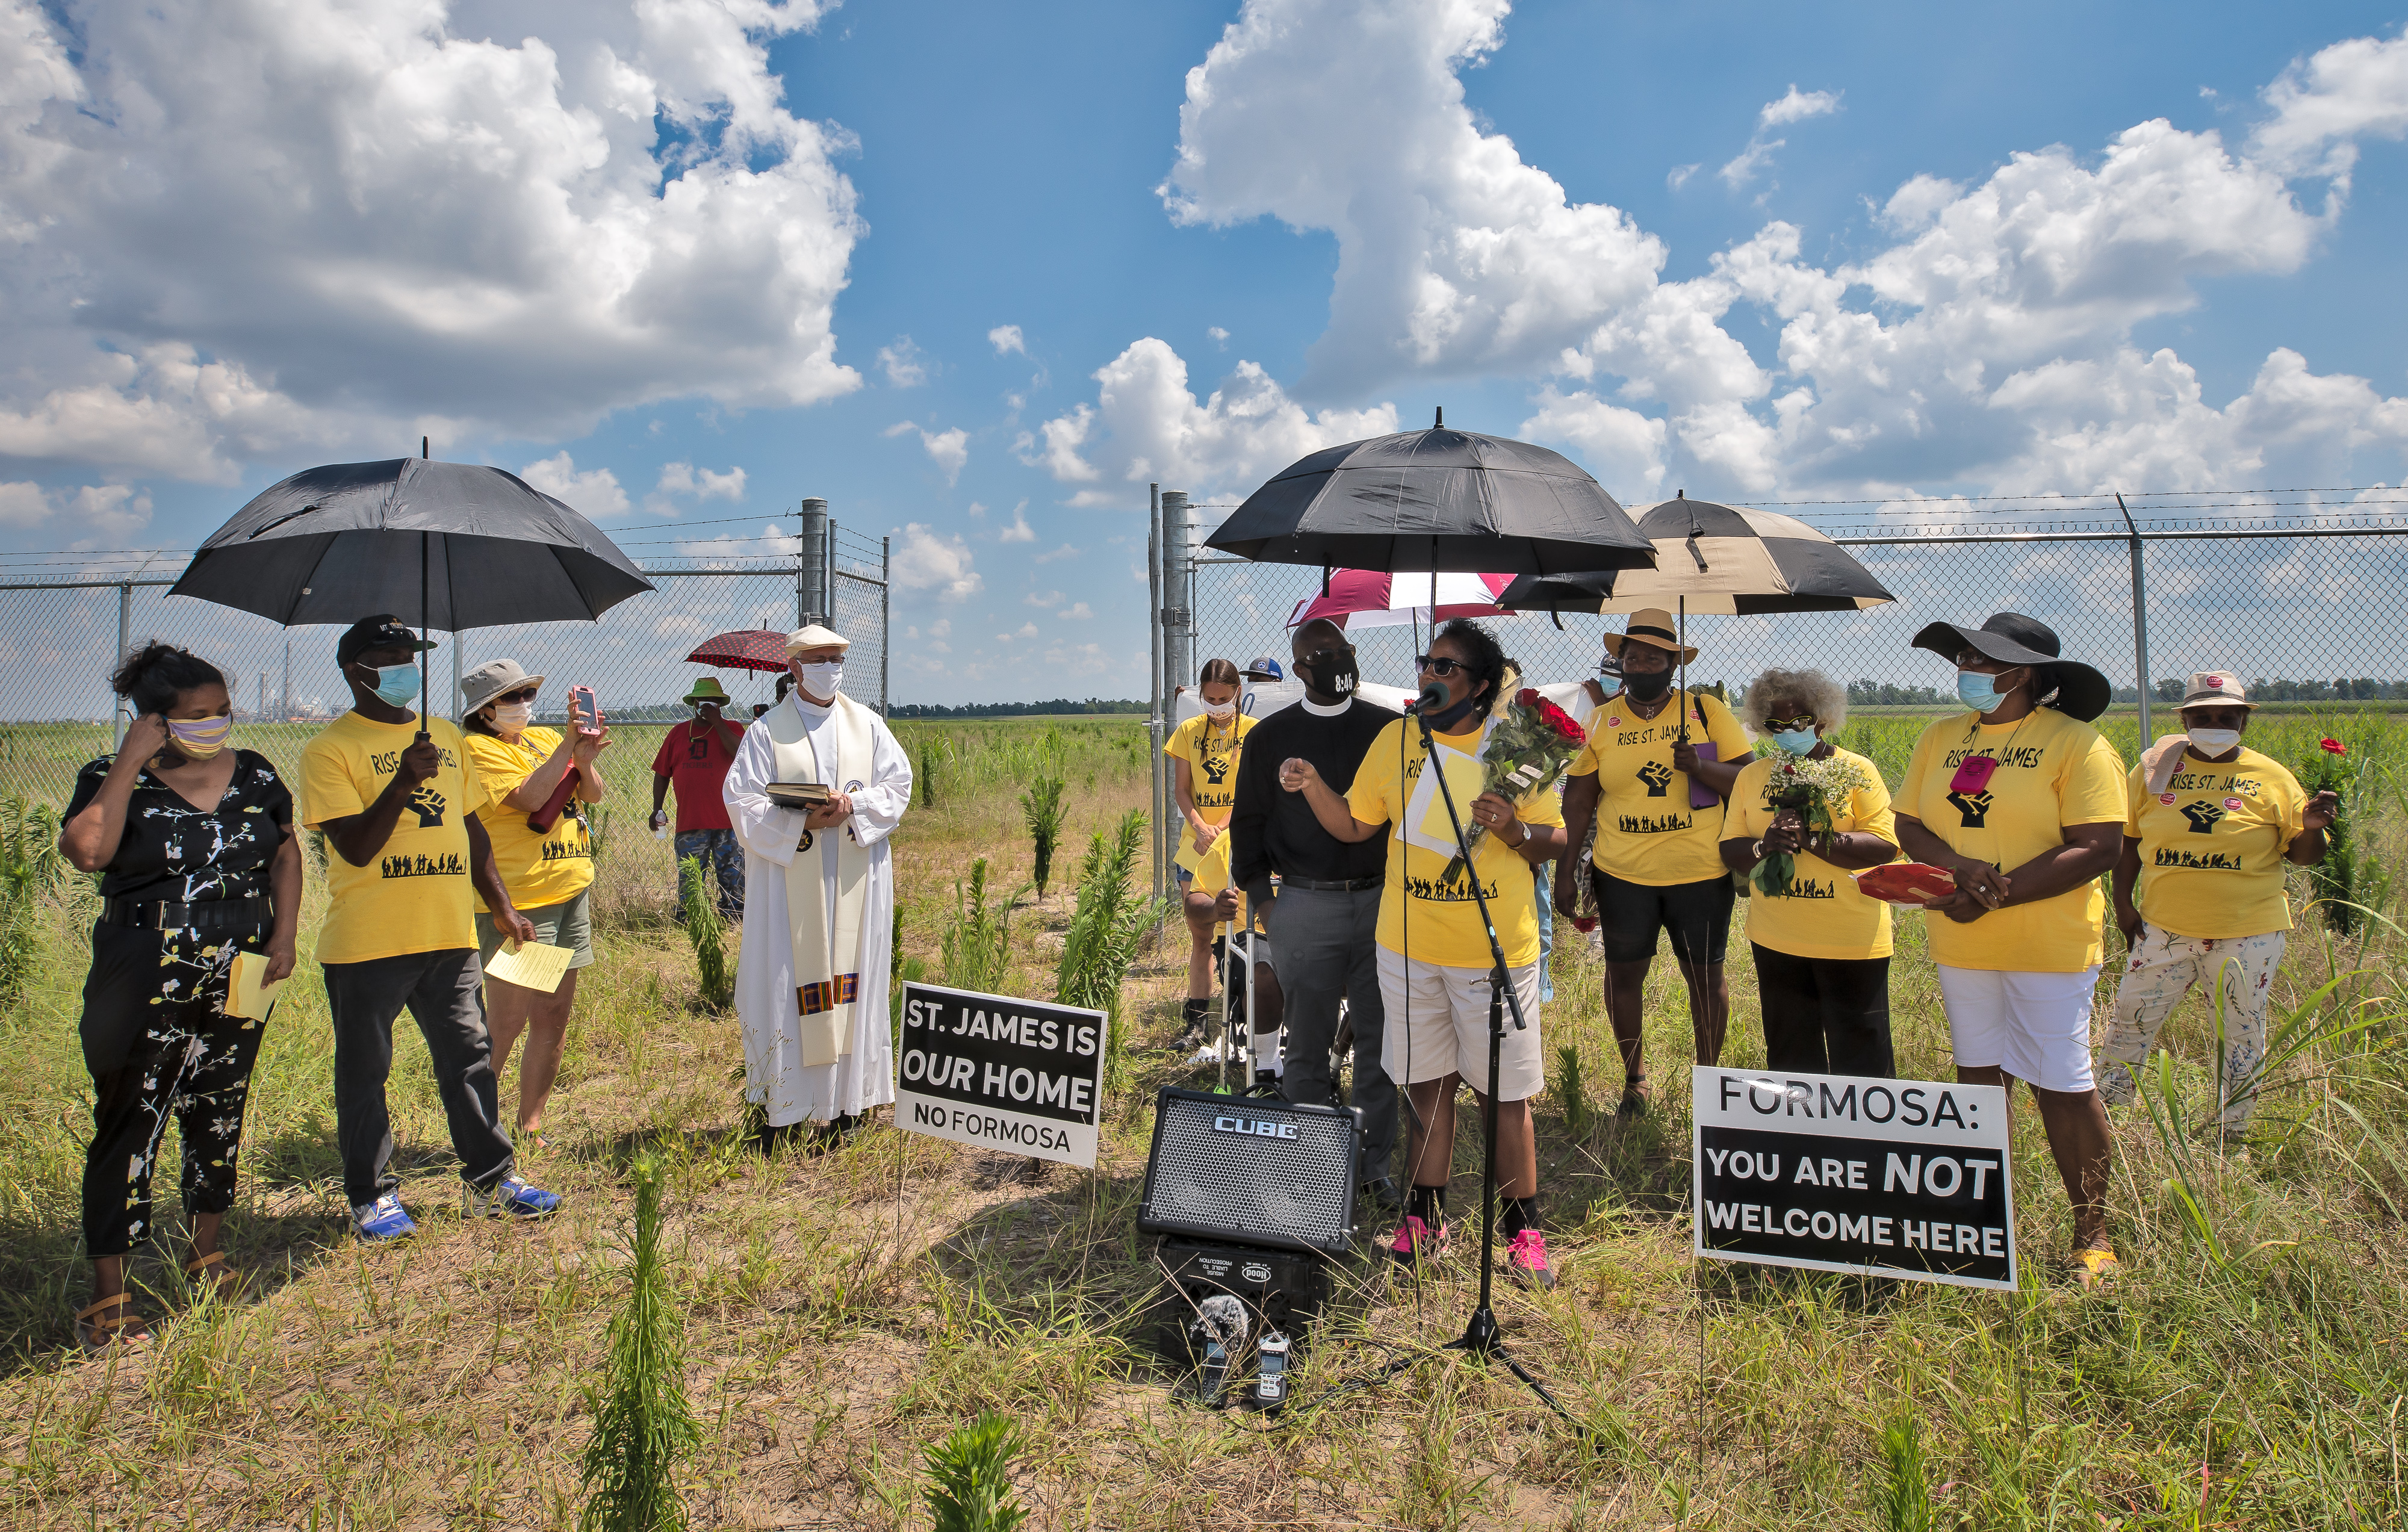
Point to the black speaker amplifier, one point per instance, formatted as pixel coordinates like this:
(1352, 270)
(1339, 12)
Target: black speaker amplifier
(1250, 1171)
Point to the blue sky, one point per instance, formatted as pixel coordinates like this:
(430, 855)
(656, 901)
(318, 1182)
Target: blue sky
(686, 267)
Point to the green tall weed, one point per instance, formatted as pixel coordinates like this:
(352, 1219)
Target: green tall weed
(977, 939)
(1112, 923)
(708, 931)
(1901, 1490)
(643, 1425)
(30, 866)
(968, 1490)
(1043, 809)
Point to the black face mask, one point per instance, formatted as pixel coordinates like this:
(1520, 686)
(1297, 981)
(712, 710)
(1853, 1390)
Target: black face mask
(1449, 717)
(1647, 685)
(1338, 675)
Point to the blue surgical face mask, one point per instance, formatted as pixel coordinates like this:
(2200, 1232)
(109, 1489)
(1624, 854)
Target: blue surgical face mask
(1974, 690)
(398, 684)
(1610, 682)
(1797, 742)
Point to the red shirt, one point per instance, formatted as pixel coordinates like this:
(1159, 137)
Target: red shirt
(694, 758)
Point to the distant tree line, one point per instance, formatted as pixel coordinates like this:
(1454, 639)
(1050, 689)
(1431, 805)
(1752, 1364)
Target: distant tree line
(1059, 706)
(1872, 693)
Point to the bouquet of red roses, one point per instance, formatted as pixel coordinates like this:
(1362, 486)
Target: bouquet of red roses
(1529, 746)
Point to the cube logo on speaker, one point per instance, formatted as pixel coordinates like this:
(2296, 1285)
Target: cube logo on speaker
(1253, 1127)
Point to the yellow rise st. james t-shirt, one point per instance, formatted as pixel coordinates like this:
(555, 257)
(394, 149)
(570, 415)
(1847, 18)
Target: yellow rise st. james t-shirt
(1647, 832)
(2053, 771)
(538, 870)
(1441, 920)
(1824, 915)
(1211, 751)
(2212, 846)
(413, 896)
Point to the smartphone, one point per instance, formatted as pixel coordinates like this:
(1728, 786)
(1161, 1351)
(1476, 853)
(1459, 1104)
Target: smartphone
(588, 716)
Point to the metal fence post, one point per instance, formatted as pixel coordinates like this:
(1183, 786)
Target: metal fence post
(124, 646)
(886, 619)
(2140, 622)
(811, 564)
(1155, 682)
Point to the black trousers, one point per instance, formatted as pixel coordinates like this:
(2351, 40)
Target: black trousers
(157, 1041)
(1825, 1015)
(443, 994)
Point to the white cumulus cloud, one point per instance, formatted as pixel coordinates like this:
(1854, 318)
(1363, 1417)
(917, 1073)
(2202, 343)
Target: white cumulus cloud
(902, 363)
(931, 561)
(1019, 531)
(594, 493)
(701, 483)
(233, 227)
(1796, 106)
(1453, 256)
(1146, 425)
(948, 450)
(2351, 89)
(1006, 339)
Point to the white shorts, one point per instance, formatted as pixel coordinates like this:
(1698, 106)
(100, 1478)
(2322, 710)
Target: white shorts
(1437, 1023)
(2034, 1026)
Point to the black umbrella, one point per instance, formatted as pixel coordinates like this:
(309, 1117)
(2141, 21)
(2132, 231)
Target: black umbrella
(1435, 500)
(439, 545)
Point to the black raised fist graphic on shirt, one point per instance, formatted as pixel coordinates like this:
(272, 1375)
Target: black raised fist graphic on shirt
(1975, 807)
(2202, 816)
(1657, 776)
(428, 806)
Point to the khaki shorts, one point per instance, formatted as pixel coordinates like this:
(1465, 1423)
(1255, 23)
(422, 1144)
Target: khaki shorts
(1437, 1026)
(562, 924)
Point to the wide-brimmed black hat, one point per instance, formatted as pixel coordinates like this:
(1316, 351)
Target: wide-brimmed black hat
(2010, 637)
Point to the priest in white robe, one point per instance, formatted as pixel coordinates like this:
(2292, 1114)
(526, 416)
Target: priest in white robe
(819, 898)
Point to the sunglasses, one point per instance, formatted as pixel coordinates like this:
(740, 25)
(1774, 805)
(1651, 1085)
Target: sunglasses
(1324, 656)
(1439, 665)
(1785, 726)
(525, 694)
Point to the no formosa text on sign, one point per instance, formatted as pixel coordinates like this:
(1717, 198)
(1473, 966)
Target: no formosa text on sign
(1000, 1073)
(1894, 1177)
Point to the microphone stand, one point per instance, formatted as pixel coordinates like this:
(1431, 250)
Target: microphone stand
(1480, 1336)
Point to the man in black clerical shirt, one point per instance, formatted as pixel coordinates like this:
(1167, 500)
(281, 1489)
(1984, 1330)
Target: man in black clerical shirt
(1324, 921)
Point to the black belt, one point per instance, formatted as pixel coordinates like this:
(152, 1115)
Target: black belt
(209, 915)
(1324, 885)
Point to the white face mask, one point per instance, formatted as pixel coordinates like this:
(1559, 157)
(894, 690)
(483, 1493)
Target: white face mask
(822, 678)
(2213, 741)
(512, 716)
(1220, 712)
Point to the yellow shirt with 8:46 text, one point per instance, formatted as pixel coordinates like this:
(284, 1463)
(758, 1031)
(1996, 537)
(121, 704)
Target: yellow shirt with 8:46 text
(1824, 915)
(1423, 914)
(2212, 846)
(2053, 771)
(1211, 751)
(414, 896)
(538, 869)
(1647, 832)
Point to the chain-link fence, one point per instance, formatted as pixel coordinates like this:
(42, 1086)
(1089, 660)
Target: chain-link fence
(2304, 607)
(59, 641)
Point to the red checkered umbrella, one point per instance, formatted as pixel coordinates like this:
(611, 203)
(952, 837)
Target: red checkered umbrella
(749, 649)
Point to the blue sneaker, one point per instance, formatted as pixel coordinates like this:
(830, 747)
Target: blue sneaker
(382, 1222)
(509, 1197)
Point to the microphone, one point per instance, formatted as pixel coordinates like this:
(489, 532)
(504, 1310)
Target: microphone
(1433, 699)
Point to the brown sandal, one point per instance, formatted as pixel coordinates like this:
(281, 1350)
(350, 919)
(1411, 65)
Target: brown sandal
(96, 1331)
(221, 1282)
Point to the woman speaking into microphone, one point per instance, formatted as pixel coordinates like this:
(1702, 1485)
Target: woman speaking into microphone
(1434, 962)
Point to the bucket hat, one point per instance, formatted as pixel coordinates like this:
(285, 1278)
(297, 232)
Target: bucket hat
(490, 680)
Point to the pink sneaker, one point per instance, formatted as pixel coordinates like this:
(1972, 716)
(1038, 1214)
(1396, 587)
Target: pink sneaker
(1526, 1260)
(1414, 1237)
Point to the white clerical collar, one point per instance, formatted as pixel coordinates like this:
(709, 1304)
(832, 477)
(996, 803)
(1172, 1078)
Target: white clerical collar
(808, 708)
(1317, 710)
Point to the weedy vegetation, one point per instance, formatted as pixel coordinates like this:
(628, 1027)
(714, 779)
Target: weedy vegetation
(849, 1314)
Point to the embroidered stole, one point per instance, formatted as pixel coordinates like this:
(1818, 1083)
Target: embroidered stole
(827, 942)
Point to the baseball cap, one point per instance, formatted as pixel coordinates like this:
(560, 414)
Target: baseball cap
(1263, 667)
(376, 633)
(2209, 687)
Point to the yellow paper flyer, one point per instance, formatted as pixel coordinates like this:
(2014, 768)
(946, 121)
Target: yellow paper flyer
(532, 966)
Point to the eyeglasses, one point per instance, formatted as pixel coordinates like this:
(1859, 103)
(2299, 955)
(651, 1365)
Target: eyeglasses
(525, 694)
(1787, 725)
(1439, 665)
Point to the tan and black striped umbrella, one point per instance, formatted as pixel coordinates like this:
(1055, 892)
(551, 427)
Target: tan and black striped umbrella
(1714, 560)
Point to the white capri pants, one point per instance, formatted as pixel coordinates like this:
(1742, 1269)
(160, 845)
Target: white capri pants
(1438, 1023)
(2034, 1026)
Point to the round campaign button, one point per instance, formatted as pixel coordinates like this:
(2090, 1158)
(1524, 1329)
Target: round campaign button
(1613, 722)
(2233, 804)
(2165, 797)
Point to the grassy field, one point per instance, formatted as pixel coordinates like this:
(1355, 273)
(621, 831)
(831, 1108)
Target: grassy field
(846, 1309)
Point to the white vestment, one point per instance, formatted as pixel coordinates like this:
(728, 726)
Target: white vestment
(775, 1074)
